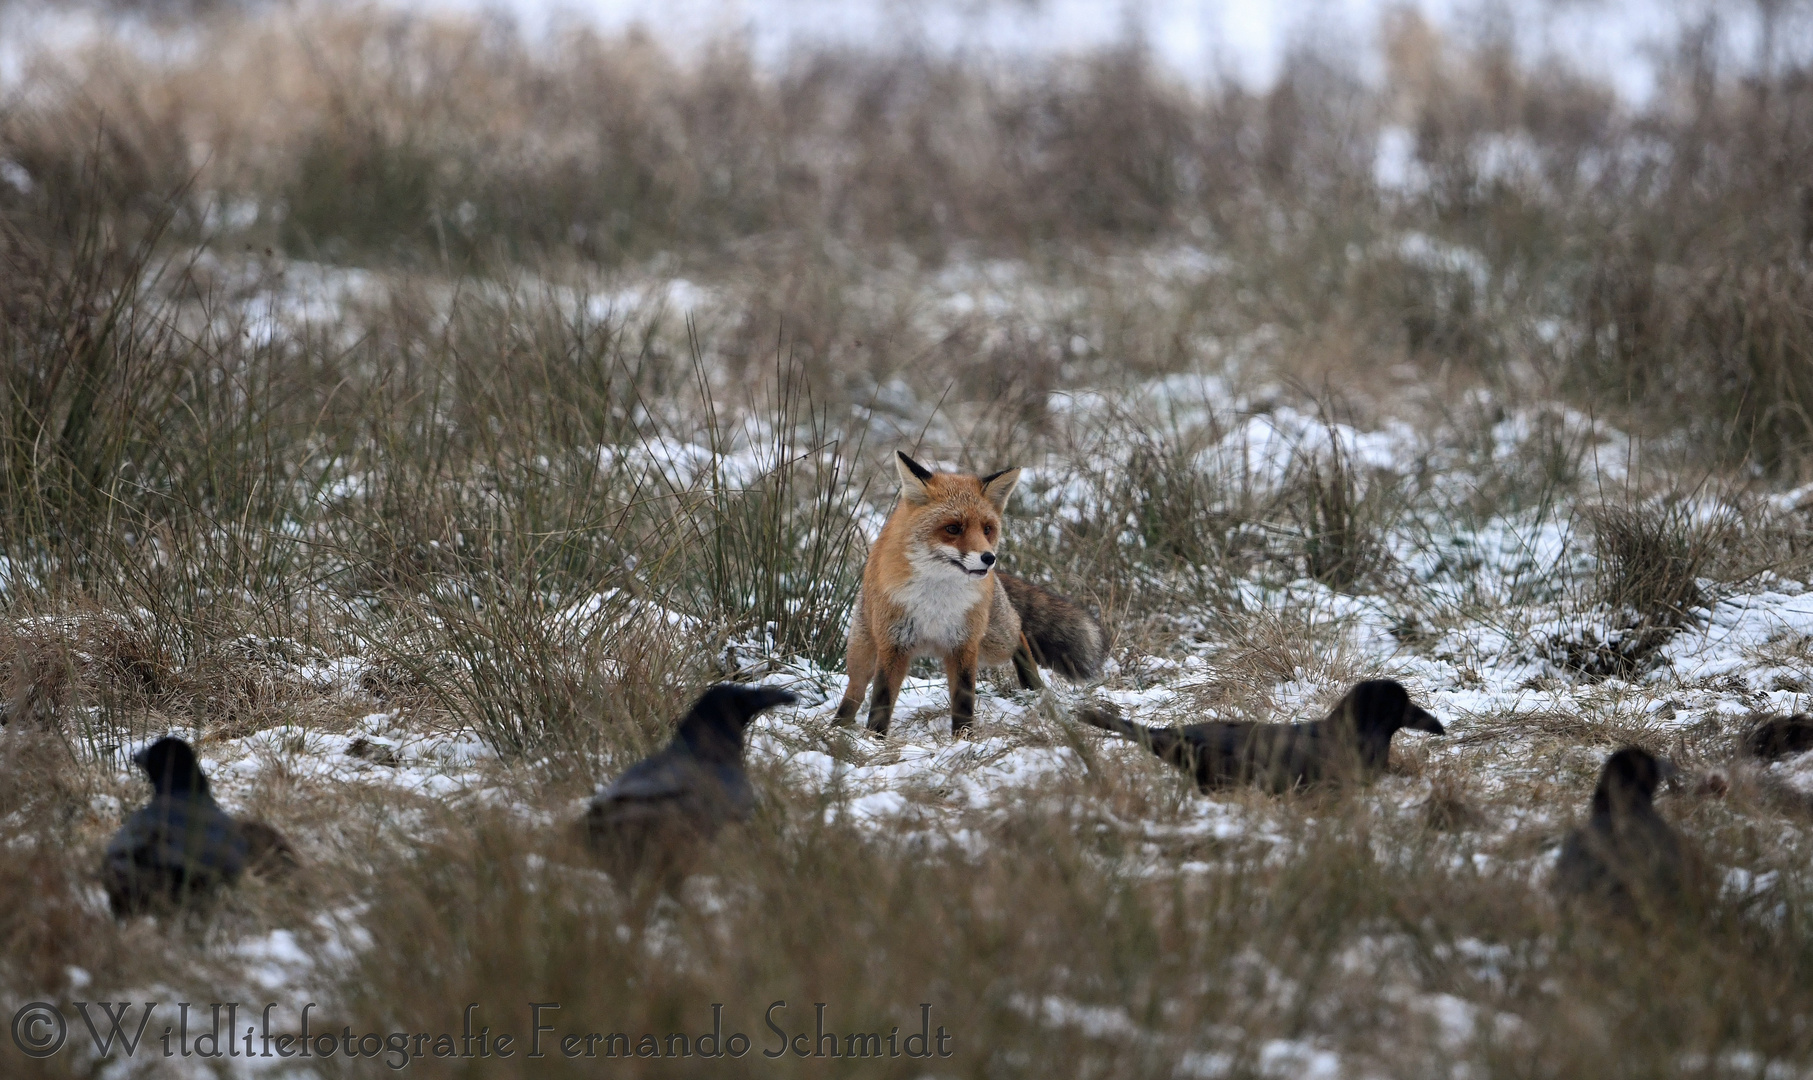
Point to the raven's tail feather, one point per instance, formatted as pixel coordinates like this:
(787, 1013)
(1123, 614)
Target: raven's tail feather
(1109, 718)
(1165, 742)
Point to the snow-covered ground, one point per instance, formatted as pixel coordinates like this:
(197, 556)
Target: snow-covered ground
(1482, 589)
(1495, 682)
(1474, 611)
(1480, 682)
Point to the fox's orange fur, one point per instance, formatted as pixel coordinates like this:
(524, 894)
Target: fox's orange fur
(930, 588)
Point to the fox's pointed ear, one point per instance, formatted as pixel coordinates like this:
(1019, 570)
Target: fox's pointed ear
(912, 479)
(998, 486)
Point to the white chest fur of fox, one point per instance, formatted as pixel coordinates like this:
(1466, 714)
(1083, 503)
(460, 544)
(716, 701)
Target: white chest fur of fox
(936, 602)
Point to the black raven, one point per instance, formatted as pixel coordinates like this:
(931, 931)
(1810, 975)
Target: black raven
(1354, 739)
(657, 815)
(177, 848)
(1626, 858)
(1779, 736)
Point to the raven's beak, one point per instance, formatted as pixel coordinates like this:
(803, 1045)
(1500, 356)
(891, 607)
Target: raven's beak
(1419, 719)
(763, 698)
(138, 756)
(1666, 769)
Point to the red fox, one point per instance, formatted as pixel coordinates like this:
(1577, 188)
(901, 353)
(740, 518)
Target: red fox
(931, 588)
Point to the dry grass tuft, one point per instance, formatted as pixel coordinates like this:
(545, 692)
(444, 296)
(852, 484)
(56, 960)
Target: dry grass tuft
(1341, 516)
(1651, 560)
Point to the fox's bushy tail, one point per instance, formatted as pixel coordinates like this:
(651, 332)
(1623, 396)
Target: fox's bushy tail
(1063, 636)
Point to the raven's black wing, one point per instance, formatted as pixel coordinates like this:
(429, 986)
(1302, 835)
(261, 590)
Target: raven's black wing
(173, 847)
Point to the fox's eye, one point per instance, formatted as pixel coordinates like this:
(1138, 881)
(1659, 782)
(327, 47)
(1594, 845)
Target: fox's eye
(954, 529)
(988, 530)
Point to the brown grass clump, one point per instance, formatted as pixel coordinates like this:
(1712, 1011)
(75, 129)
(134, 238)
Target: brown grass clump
(1449, 808)
(1340, 515)
(1651, 560)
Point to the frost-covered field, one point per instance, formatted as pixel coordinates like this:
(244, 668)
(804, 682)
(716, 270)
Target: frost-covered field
(1400, 929)
(416, 412)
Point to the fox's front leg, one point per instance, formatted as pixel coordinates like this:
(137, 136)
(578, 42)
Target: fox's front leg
(859, 669)
(893, 662)
(960, 671)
